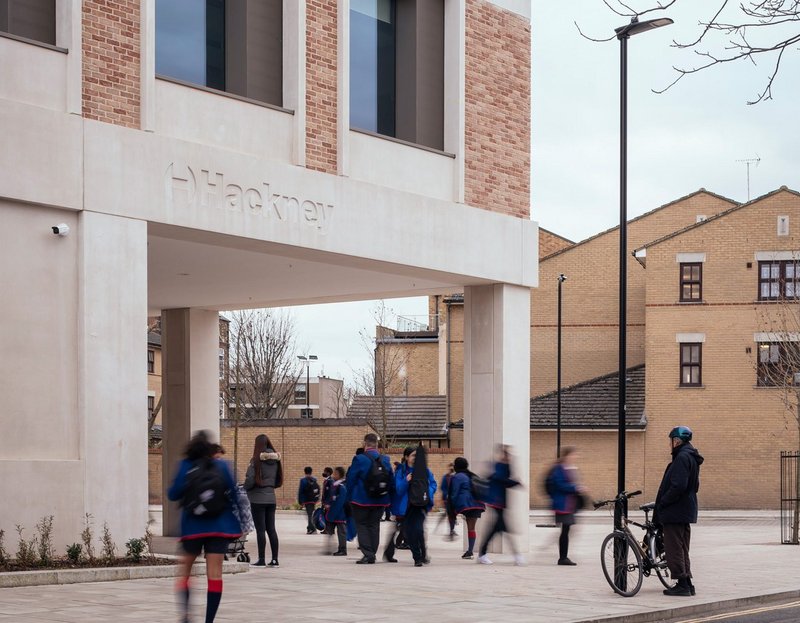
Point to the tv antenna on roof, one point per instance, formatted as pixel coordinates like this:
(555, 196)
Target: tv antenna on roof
(748, 162)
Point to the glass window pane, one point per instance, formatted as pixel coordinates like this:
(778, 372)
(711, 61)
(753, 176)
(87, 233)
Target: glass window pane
(696, 375)
(790, 291)
(765, 271)
(790, 270)
(695, 273)
(775, 271)
(181, 39)
(773, 290)
(695, 354)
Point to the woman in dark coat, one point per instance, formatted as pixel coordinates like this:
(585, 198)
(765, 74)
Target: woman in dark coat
(264, 475)
(464, 503)
(565, 494)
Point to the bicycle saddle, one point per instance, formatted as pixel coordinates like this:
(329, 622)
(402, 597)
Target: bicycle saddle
(647, 507)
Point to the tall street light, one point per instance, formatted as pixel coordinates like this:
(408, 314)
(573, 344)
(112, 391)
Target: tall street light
(623, 34)
(561, 279)
(307, 359)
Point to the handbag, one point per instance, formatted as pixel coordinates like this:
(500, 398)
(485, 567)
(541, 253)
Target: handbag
(242, 510)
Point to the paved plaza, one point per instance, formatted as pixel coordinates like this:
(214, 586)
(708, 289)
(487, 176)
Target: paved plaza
(735, 555)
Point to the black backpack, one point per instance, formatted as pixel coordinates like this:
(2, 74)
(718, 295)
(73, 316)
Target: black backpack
(378, 478)
(311, 489)
(206, 490)
(479, 487)
(418, 492)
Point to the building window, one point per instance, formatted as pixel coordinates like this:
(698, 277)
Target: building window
(230, 46)
(151, 406)
(31, 19)
(777, 363)
(691, 365)
(692, 282)
(221, 364)
(151, 361)
(397, 69)
(778, 280)
(306, 413)
(299, 393)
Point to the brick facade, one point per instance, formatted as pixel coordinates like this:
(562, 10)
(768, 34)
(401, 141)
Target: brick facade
(498, 109)
(111, 55)
(321, 85)
(550, 243)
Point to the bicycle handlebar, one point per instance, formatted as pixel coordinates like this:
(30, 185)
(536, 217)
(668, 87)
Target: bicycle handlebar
(625, 495)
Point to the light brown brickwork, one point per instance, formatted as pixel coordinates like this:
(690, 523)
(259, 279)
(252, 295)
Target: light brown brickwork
(321, 85)
(498, 107)
(550, 243)
(154, 480)
(111, 61)
(420, 376)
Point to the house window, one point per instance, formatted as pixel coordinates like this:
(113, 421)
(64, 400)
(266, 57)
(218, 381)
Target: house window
(777, 363)
(151, 361)
(691, 365)
(397, 69)
(31, 19)
(778, 280)
(307, 413)
(221, 364)
(692, 282)
(300, 393)
(151, 406)
(230, 46)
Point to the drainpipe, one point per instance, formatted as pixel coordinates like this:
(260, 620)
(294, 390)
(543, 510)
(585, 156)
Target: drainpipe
(447, 378)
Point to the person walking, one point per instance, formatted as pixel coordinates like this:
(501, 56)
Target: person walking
(327, 483)
(203, 485)
(336, 512)
(449, 512)
(676, 508)
(565, 493)
(499, 483)
(308, 496)
(370, 483)
(399, 506)
(264, 475)
(421, 488)
(464, 503)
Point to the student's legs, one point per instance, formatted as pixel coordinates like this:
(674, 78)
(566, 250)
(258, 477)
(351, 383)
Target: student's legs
(451, 516)
(259, 520)
(361, 515)
(415, 532)
(182, 583)
(563, 542)
(310, 514)
(272, 533)
(214, 596)
(471, 534)
(341, 535)
(497, 528)
(374, 524)
(395, 532)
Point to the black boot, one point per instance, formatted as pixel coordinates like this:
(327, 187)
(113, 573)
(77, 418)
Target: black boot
(691, 586)
(681, 589)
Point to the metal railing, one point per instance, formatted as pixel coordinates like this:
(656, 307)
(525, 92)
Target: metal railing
(790, 497)
(412, 324)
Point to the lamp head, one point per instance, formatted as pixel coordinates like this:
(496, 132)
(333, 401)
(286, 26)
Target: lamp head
(562, 277)
(636, 27)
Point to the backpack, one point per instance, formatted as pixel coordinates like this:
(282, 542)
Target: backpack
(549, 483)
(418, 492)
(479, 487)
(206, 490)
(378, 478)
(311, 489)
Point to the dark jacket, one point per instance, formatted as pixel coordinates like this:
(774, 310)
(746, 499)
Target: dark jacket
(565, 490)
(269, 465)
(499, 482)
(444, 487)
(461, 494)
(358, 471)
(192, 527)
(336, 512)
(327, 490)
(302, 497)
(676, 501)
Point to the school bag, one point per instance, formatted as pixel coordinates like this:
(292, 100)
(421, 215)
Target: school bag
(479, 486)
(206, 490)
(549, 482)
(311, 490)
(418, 492)
(378, 478)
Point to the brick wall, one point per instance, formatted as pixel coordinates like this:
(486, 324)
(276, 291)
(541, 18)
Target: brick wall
(111, 55)
(549, 243)
(154, 483)
(497, 107)
(321, 85)
(420, 374)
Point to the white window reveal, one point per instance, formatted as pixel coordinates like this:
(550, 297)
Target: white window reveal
(783, 225)
(701, 218)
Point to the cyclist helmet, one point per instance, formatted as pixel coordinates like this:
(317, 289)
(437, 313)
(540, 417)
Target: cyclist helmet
(684, 433)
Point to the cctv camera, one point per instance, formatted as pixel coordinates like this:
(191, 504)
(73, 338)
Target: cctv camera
(62, 229)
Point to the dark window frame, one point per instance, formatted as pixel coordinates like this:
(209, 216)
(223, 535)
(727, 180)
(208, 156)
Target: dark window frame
(151, 361)
(151, 406)
(307, 413)
(767, 380)
(781, 281)
(689, 364)
(691, 282)
(300, 395)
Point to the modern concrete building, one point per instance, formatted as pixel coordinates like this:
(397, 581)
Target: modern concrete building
(198, 156)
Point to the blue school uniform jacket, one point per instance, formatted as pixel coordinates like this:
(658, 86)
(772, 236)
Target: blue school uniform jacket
(499, 482)
(302, 498)
(401, 483)
(193, 527)
(444, 487)
(356, 474)
(563, 498)
(461, 494)
(338, 498)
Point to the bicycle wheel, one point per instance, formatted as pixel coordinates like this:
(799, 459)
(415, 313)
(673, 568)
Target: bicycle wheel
(660, 562)
(622, 564)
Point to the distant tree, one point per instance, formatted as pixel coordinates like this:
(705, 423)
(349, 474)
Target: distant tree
(731, 32)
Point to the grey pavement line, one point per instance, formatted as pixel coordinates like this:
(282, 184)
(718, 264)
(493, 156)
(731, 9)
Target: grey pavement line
(657, 616)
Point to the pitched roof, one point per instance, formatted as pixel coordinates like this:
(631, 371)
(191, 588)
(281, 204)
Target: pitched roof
(593, 403)
(408, 417)
(640, 217)
(719, 215)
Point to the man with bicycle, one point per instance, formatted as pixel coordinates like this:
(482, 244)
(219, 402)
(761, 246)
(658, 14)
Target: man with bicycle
(676, 508)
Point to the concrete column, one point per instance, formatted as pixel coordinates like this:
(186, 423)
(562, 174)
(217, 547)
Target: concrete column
(112, 346)
(190, 386)
(497, 388)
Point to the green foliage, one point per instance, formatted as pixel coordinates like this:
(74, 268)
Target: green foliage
(87, 536)
(109, 547)
(45, 530)
(26, 550)
(74, 553)
(136, 547)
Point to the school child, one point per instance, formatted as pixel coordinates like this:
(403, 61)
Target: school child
(464, 503)
(336, 512)
(499, 482)
(399, 506)
(420, 489)
(308, 496)
(449, 512)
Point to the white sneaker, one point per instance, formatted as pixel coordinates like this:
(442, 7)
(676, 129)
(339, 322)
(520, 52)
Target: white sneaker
(519, 560)
(484, 560)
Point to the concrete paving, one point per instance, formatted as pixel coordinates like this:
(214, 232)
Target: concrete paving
(734, 555)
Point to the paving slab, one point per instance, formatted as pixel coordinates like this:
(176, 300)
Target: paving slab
(734, 557)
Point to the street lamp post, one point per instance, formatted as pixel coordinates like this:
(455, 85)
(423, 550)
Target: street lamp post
(561, 279)
(624, 33)
(307, 359)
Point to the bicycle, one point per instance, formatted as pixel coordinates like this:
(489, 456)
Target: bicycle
(627, 560)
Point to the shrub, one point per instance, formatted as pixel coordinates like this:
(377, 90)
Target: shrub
(26, 550)
(45, 530)
(136, 547)
(87, 536)
(3, 552)
(74, 553)
(109, 547)
(148, 540)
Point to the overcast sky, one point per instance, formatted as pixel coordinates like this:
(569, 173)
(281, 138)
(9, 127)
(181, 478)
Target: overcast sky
(685, 139)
